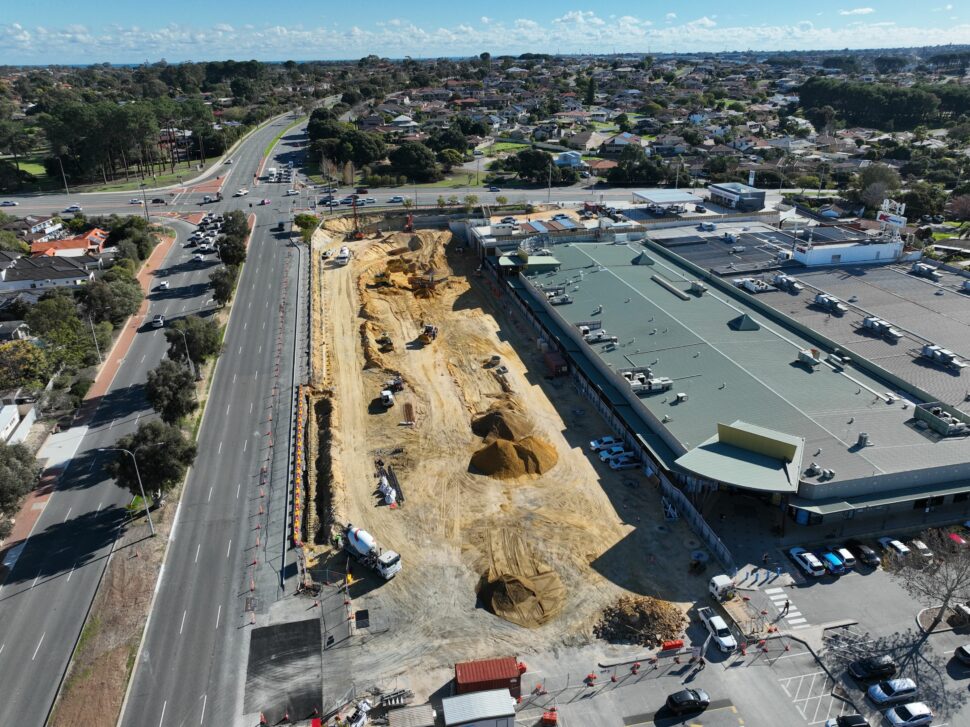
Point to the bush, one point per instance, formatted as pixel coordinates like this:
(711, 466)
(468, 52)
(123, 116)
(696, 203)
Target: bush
(79, 389)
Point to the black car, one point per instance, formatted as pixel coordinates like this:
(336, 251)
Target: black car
(158, 200)
(848, 720)
(864, 553)
(700, 208)
(962, 654)
(688, 700)
(872, 668)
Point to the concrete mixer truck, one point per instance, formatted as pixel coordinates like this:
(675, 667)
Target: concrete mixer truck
(364, 548)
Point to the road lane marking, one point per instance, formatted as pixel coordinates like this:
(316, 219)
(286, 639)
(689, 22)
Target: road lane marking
(238, 486)
(36, 579)
(210, 495)
(234, 378)
(256, 377)
(245, 445)
(220, 448)
(2, 646)
(202, 718)
(227, 409)
(143, 359)
(99, 507)
(182, 625)
(229, 547)
(250, 407)
(68, 515)
(246, 325)
(793, 621)
(197, 549)
(72, 571)
(240, 351)
(218, 615)
(38, 645)
(112, 424)
(160, 721)
(260, 349)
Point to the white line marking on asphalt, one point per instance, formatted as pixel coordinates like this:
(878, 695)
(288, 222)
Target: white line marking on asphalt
(238, 487)
(264, 325)
(260, 349)
(38, 645)
(197, 549)
(229, 547)
(68, 515)
(2, 647)
(240, 350)
(802, 626)
(143, 359)
(234, 378)
(250, 407)
(160, 721)
(246, 325)
(210, 495)
(775, 590)
(218, 615)
(99, 507)
(112, 424)
(220, 448)
(256, 377)
(793, 621)
(182, 625)
(245, 445)
(203, 709)
(227, 409)
(72, 570)
(793, 614)
(35, 580)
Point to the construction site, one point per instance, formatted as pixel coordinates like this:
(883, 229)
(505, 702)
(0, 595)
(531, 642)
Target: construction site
(436, 429)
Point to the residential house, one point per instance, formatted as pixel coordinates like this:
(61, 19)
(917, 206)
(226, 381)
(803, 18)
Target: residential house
(14, 331)
(570, 160)
(91, 242)
(47, 271)
(586, 140)
(34, 228)
(614, 145)
(670, 145)
(600, 167)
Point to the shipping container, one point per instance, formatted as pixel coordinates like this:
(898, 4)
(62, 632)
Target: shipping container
(555, 363)
(479, 676)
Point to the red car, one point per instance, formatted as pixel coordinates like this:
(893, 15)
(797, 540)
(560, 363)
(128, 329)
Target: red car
(957, 540)
(264, 201)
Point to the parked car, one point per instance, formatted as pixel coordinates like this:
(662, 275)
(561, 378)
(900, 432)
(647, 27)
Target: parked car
(8, 203)
(957, 540)
(603, 442)
(847, 720)
(865, 553)
(873, 667)
(921, 548)
(163, 285)
(508, 221)
(617, 450)
(848, 560)
(808, 562)
(962, 654)
(700, 208)
(624, 463)
(833, 563)
(198, 258)
(914, 714)
(892, 691)
(158, 320)
(688, 700)
(894, 547)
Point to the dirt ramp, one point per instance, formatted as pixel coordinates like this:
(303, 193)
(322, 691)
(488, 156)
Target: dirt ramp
(517, 586)
(507, 460)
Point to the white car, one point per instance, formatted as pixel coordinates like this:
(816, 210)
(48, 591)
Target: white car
(73, 208)
(369, 200)
(229, 160)
(8, 203)
(163, 285)
(603, 442)
(617, 450)
(892, 691)
(158, 321)
(808, 562)
(624, 463)
(241, 193)
(134, 200)
(920, 547)
(396, 199)
(198, 258)
(894, 547)
(846, 555)
(291, 193)
(914, 714)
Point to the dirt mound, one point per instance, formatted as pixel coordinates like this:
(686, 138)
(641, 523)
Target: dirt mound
(502, 420)
(517, 586)
(641, 620)
(507, 460)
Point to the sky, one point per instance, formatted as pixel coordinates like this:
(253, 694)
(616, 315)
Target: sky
(130, 31)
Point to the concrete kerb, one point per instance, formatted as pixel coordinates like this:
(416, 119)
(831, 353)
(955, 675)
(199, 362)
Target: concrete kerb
(937, 630)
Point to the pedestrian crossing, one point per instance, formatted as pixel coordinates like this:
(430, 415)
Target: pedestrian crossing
(792, 616)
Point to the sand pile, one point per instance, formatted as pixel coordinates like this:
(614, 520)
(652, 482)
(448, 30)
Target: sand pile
(641, 620)
(506, 460)
(502, 420)
(517, 586)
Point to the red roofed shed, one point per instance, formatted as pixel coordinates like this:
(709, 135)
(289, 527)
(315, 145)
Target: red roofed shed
(480, 676)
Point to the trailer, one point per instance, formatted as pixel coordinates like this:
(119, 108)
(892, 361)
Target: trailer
(752, 285)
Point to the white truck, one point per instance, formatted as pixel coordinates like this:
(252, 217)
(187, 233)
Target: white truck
(718, 629)
(343, 257)
(365, 549)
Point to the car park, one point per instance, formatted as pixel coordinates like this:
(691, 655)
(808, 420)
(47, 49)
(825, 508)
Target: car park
(914, 714)
(688, 700)
(865, 553)
(8, 203)
(832, 562)
(872, 667)
(962, 654)
(894, 547)
(158, 321)
(603, 442)
(624, 463)
(921, 549)
(847, 720)
(808, 562)
(892, 691)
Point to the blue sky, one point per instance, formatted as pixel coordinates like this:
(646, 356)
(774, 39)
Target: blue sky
(59, 31)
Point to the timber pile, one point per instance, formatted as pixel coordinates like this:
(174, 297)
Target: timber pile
(641, 620)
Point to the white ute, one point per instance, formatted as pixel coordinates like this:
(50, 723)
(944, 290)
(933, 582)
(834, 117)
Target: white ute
(718, 629)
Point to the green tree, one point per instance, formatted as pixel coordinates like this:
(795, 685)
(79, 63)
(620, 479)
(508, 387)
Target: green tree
(55, 320)
(19, 474)
(11, 243)
(923, 199)
(469, 202)
(170, 390)
(441, 202)
(589, 97)
(232, 250)
(450, 158)
(164, 454)
(223, 281)
(623, 123)
(450, 138)
(201, 338)
(415, 161)
(235, 224)
(23, 364)
(532, 164)
(501, 200)
(112, 301)
(307, 224)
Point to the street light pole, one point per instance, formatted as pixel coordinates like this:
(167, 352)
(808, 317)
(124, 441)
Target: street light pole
(144, 199)
(141, 487)
(63, 176)
(188, 358)
(95, 337)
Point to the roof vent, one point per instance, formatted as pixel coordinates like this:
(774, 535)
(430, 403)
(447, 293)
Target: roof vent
(863, 439)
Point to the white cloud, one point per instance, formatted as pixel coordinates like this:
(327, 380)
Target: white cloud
(704, 22)
(223, 28)
(580, 17)
(857, 11)
(485, 20)
(670, 16)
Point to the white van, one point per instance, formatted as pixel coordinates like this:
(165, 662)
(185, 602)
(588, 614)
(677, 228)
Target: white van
(343, 257)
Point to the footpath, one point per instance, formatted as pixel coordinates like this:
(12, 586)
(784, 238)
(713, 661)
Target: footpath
(59, 448)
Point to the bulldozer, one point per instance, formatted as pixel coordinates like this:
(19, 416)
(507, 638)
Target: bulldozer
(382, 278)
(429, 333)
(385, 342)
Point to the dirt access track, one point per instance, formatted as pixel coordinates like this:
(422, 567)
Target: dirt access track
(602, 532)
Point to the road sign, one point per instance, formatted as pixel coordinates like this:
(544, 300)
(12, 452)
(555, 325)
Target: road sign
(891, 219)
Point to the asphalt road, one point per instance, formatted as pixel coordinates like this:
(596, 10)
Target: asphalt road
(45, 598)
(192, 664)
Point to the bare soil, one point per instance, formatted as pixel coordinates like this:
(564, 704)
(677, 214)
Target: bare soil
(600, 534)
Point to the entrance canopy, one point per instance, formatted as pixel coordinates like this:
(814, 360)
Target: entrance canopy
(665, 196)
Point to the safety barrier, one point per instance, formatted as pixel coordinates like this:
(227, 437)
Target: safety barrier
(298, 471)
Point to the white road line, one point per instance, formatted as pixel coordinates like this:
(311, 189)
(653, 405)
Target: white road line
(260, 349)
(2, 648)
(210, 495)
(182, 625)
(35, 580)
(256, 377)
(234, 378)
(250, 407)
(112, 424)
(240, 350)
(238, 487)
(197, 549)
(202, 718)
(793, 621)
(245, 444)
(143, 359)
(160, 721)
(793, 614)
(802, 626)
(72, 570)
(218, 615)
(220, 448)
(229, 547)
(38, 645)
(227, 409)
(246, 325)
(68, 515)
(99, 507)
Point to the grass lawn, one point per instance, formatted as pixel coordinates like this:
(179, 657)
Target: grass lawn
(500, 146)
(159, 180)
(33, 166)
(455, 181)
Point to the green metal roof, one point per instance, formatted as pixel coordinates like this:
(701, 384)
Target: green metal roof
(827, 507)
